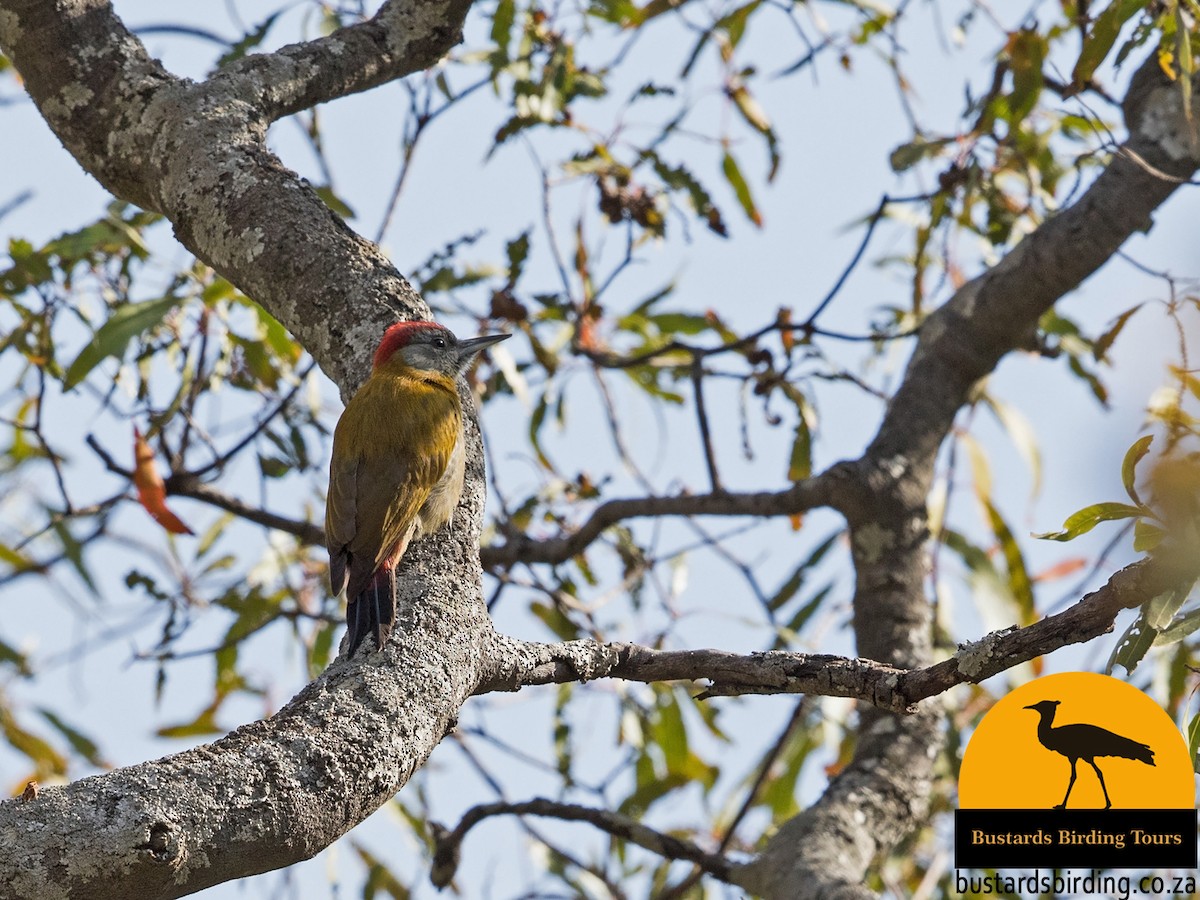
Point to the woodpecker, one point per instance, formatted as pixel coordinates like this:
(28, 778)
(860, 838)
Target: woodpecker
(396, 471)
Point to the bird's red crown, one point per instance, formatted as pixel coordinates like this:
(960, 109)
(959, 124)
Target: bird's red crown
(399, 335)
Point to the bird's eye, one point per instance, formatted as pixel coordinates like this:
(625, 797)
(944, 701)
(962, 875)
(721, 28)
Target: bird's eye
(439, 342)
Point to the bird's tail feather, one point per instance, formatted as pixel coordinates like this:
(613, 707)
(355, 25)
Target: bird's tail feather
(374, 610)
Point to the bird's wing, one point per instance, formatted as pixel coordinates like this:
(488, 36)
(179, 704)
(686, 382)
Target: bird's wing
(429, 441)
(391, 446)
(341, 509)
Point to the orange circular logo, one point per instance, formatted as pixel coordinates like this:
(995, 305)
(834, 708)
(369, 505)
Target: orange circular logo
(1076, 740)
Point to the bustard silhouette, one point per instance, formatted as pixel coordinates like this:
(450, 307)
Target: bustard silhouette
(1085, 742)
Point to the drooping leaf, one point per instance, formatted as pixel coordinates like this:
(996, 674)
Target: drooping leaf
(114, 336)
(1146, 536)
(1182, 627)
(1132, 646)
(800, 463)
(379, 876)
(80, 743)
(1089, 517)
(1101, 37)
(251, 40)
(151, 490)
(1018, 576)
(1133, 456)
(45, 758)
(1193, 739)
(334, 202)
(733, 174)
(1160, 610)
(1023, 436)
(1105, 341)
(1026, 52)
(204, 724)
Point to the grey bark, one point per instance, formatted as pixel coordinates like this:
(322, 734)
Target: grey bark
(277, 791)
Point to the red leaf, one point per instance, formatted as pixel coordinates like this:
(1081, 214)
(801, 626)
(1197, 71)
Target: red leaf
(152, 493)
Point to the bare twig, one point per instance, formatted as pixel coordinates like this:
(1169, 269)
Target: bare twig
(831, 488)
(448, 843)
(183, 485)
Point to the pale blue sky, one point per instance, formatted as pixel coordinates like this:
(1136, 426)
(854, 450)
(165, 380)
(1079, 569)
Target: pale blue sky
(836, 131)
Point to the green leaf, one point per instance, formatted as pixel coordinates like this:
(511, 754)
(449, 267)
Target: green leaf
(1100, 39)
(788, 633)
(73, 552)
(734, 23)
(1146, 536)
(114, 336)
(251, 40)
(670, 733)
(47, 760)
(756, 117)
(1019, 583)
(213, 532)
(502, 23)
(908, 155)
(379, 876)
(334, 202)
(733, 174)
(1193, 739)
(1133, 456)
(1132, 647)
(1089, 517)
(1160, 610)
(796, 580)
(18, 561)
(554, 619)
(800, 463)
(79, 742)
(1023, 436)
(1187, 68)
(1180, 628)
(517, 250)
(1027, 53)
(1105, 341)
(203, 724)
(322, 649)
(14, 657)
(536, 421)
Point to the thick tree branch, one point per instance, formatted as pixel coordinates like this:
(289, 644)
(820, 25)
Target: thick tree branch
(448, 844)
(517, 664)
(405, 36)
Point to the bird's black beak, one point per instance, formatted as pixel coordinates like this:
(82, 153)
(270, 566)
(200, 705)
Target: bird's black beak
(470, 346)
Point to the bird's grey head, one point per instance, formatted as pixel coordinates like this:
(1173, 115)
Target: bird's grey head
(432, 348)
